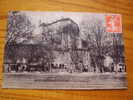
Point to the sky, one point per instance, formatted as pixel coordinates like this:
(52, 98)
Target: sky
(48, 17)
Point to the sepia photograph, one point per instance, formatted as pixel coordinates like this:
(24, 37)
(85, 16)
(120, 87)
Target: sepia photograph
(64, 50)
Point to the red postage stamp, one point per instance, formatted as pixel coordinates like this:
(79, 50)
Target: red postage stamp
(113, 23)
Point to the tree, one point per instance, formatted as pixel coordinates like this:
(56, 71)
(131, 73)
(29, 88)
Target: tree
(19, 27)
(98, 41)
(118, 49)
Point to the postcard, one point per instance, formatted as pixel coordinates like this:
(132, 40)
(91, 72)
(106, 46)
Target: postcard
(64, 50)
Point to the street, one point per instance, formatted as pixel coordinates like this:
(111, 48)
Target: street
(65, 80)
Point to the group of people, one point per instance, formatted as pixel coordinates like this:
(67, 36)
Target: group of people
(40, 65)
